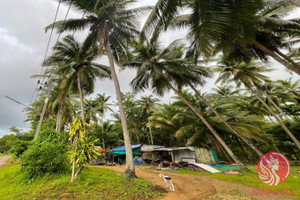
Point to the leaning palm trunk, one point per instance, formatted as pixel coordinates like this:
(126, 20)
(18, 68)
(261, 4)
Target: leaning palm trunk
(129, 170)
(259, 153)
(291, 66)
(281, 114)
(274, 104)
(239, 163)
(275, 116)
(81, 100)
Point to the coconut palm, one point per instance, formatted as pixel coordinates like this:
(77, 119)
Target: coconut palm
(250, 76)
(147, 104)
(91, 111)
(77, 62)
(112, 25)
(103, 105)
(60, 101)
(178, 119)
(235, 131)
(164, 69)
(240, 29)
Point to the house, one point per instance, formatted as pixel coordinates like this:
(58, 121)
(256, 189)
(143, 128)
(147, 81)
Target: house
(154, 153)
(139, 151)
(175, 154)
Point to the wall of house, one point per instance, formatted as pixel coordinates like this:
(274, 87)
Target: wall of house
(204, 156)
(184, 154)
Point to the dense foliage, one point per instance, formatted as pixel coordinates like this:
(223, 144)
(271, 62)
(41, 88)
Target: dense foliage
(47, 155)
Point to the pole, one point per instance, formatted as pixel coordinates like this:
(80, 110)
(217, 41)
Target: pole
(38, 128)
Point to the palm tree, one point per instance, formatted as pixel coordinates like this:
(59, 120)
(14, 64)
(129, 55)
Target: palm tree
(226, 91)
(237, 133)
(103, 105)
(250, 75)
(240, 29)
(179, 120)
(61, 100)
(147, 104)
(33, 112)
(159, 69)
(91, 111)
(112, 25)
(77, 62)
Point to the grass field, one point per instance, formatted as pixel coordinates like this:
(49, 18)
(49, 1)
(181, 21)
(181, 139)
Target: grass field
(91, 184)
(250, 178)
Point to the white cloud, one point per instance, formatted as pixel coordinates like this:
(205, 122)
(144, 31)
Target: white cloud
(11, 40)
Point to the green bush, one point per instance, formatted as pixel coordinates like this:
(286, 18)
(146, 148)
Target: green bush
(6, 142)
(47, 155)
(19, 147)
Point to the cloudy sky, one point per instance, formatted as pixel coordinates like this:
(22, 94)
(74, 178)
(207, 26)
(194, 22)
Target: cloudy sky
(23, 44)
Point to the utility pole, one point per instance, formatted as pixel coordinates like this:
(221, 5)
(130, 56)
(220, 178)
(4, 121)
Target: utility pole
(38, 128)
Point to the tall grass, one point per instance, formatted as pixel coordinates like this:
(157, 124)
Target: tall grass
(91, 184)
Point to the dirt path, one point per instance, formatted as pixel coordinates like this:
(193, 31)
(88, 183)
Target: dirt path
(4, 160)
(188, 187)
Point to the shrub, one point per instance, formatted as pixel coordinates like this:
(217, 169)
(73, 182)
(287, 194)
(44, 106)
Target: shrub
(47, 155)
(6, 142)
(19, 147)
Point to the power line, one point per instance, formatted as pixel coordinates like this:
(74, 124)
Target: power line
(49, 89)
(58, 38)
(47, 49)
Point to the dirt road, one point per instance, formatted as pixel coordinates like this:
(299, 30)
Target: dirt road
(4, 160)
(188, 187)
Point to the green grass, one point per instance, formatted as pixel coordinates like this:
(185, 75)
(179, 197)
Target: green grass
(93, 183)
(250, 178)
(1, 154)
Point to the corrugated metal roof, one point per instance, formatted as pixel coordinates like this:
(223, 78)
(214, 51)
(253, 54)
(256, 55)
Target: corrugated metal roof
(147, 147)
(122, 148)
(172, 149)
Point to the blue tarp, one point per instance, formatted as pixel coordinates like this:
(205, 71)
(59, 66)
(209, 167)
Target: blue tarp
(122, 148)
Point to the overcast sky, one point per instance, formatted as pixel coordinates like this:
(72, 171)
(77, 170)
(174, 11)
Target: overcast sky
(23, 44)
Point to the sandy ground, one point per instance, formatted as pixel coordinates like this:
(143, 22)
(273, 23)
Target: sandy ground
(189, 187)
(4, 160)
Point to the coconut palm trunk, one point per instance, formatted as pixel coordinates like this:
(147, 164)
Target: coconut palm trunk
(59, 120)
(274, 104)
(216, 135)
(74, 161)
(275, 116)
(129, 170)
(81, 100)
(151, 136)
(220, 148)
(293, 67)
(60, 113)
(249, 143)
(281, 113)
